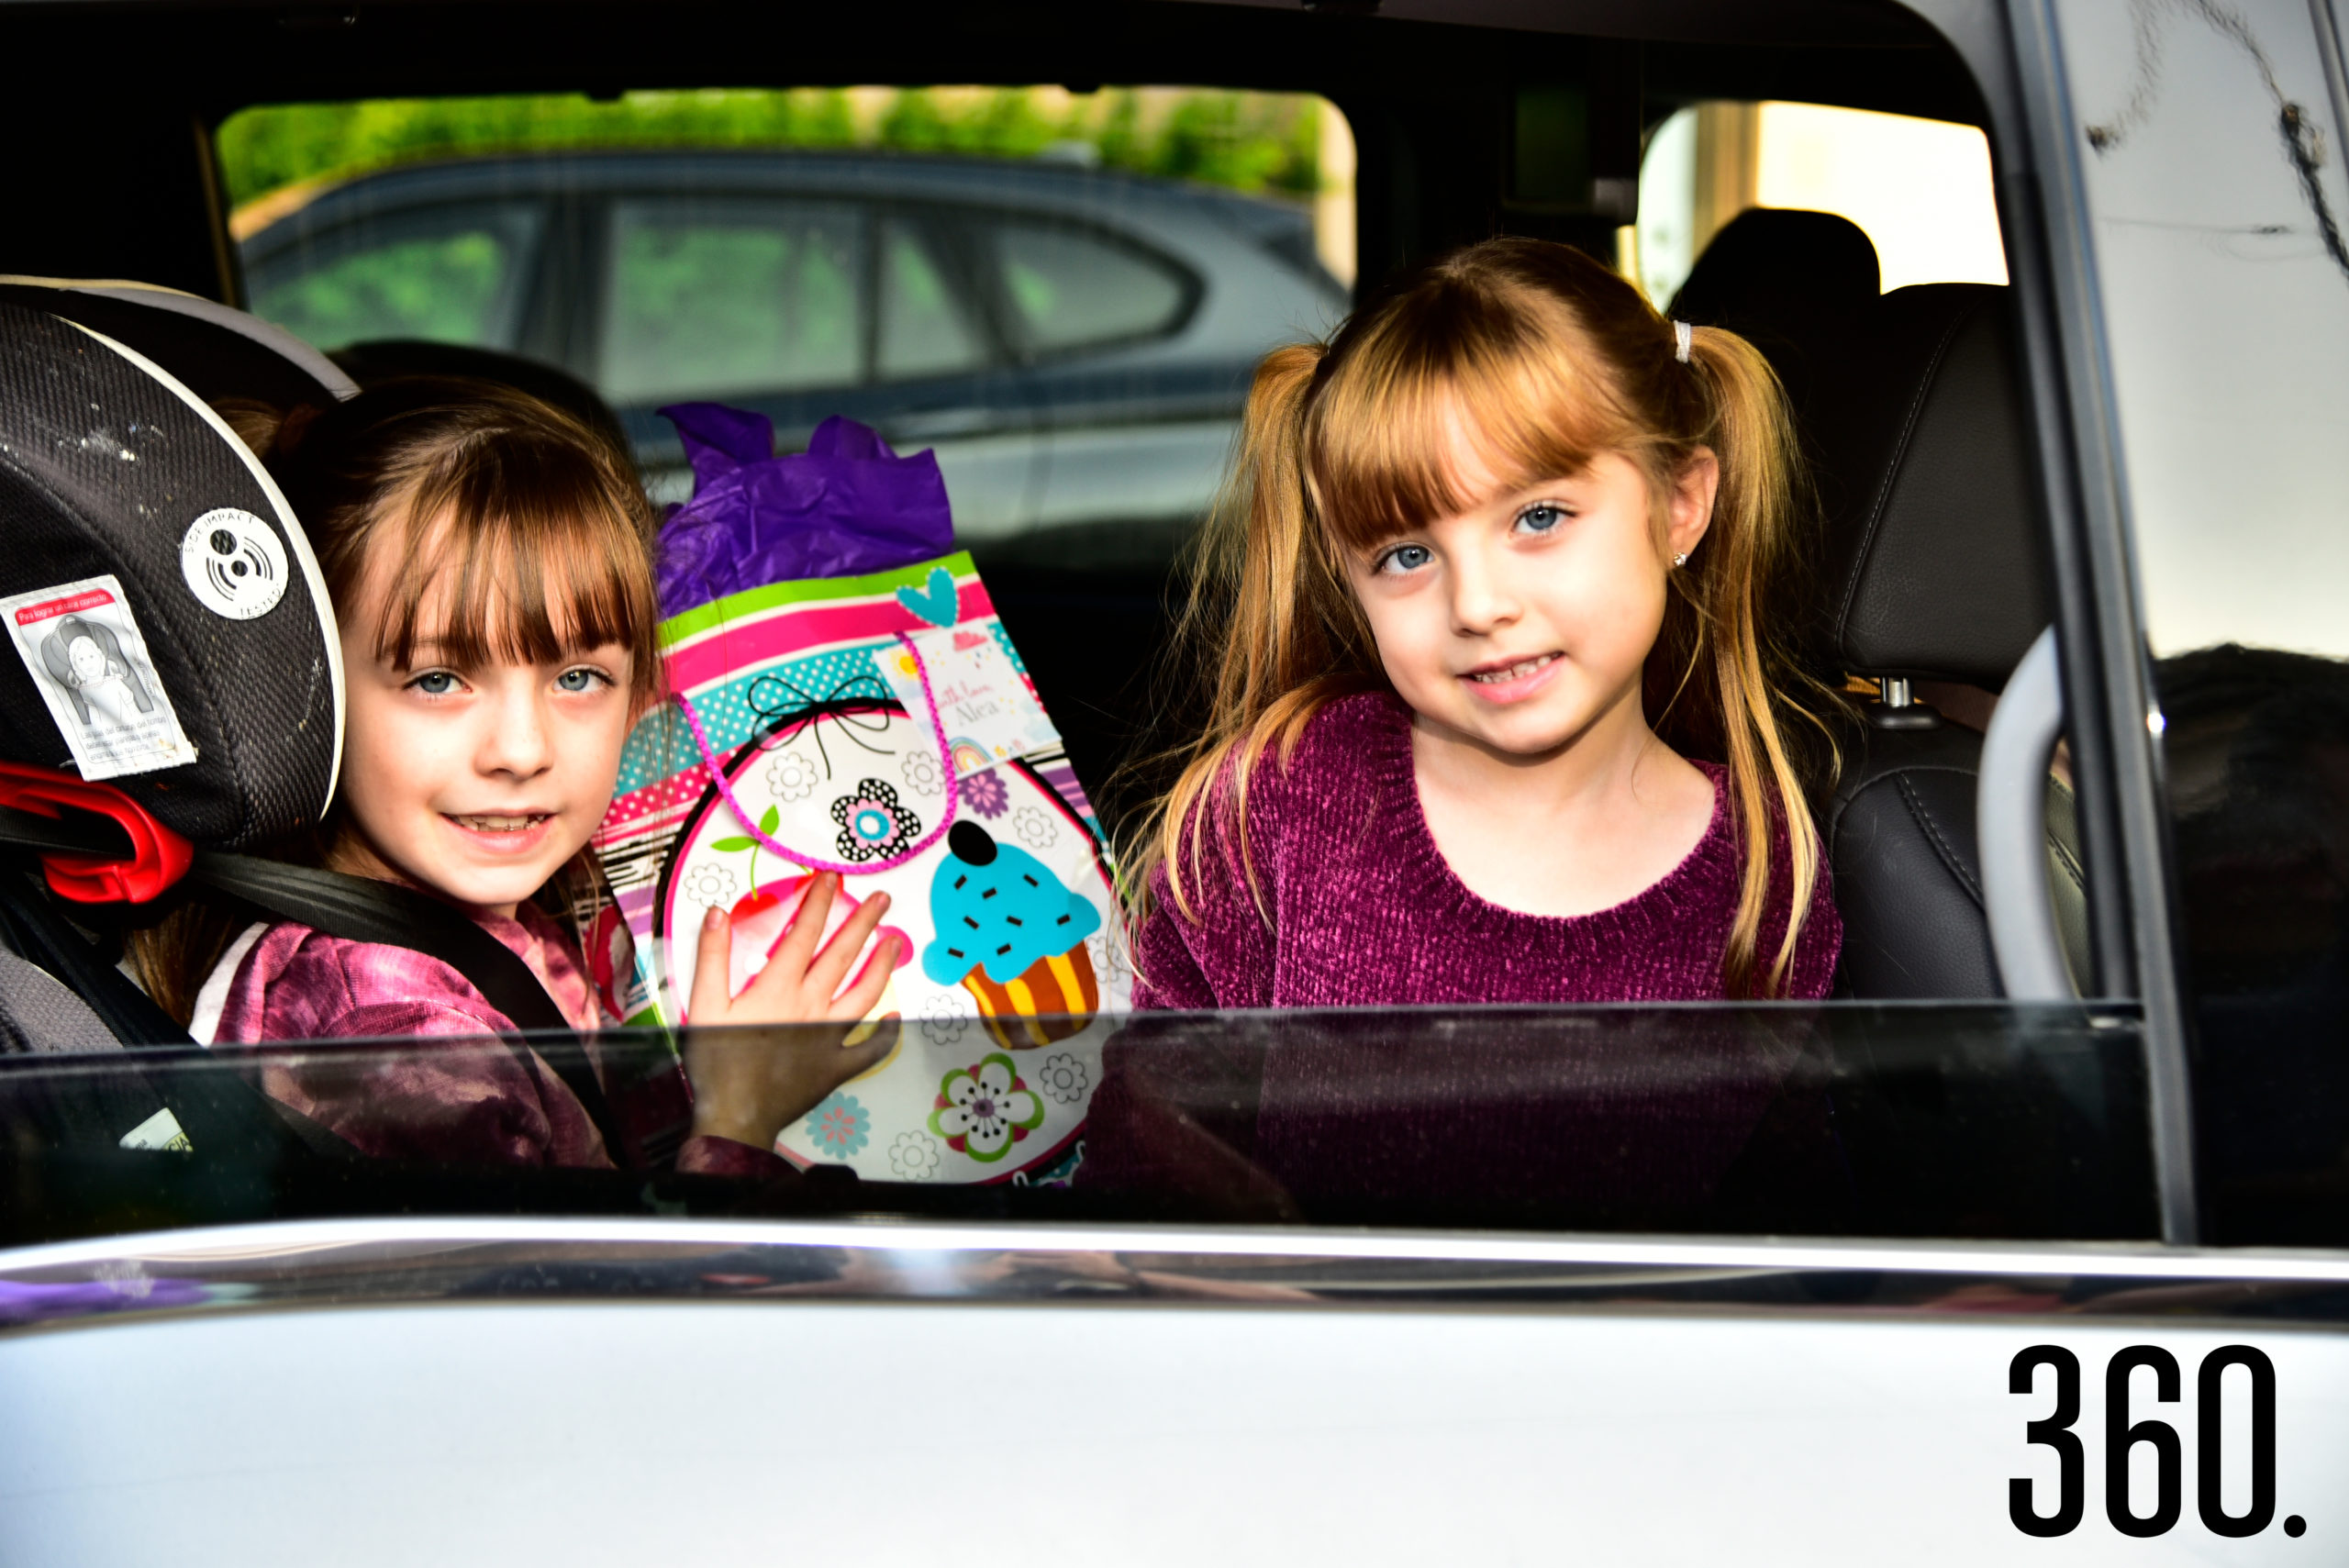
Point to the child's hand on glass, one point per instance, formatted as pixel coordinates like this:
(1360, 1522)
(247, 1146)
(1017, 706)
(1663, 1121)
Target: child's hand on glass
(749, 1085)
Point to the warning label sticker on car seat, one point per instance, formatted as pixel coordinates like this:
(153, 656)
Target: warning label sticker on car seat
(85, 655)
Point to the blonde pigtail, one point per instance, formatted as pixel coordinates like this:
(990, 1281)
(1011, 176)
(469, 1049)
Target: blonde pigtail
(1751, 550)
(1270, 618)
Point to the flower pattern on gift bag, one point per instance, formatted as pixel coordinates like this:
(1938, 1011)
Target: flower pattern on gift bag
(873, 825)
(922, 774)
(1036, 830)
(1064, 1078)
(792, 776)
(944, 1017)
(984, 1109)
(840, 1127)
(914, 1157)
(983, 793)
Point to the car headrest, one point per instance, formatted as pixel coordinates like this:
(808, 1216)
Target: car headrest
(1935, 565)
(1767, 262)
(169, 629)
(1788, 282)
(390, 359)
(215, 352)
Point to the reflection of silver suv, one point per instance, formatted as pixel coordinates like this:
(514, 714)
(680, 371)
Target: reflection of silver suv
(1076, 344)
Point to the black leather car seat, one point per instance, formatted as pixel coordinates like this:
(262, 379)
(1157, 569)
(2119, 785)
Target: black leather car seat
(214, 349)
(1935, 571)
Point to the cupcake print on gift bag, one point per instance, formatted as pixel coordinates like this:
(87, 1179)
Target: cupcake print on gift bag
(1013, 937)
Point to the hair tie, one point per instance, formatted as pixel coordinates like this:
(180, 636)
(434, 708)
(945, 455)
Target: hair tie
(1682, 335)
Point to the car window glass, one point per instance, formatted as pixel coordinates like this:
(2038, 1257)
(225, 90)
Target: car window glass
(714, 299)
(924, 328)
(446, 277)
(2210, 144)
(1920, 189)
(1983, 1121)
(2214, 178)
(1069, 288)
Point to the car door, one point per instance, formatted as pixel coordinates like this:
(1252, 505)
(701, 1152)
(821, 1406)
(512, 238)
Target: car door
(1850, 1281)
(2208, 214)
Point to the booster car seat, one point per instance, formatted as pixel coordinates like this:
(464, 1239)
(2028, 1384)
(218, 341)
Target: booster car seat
(172, 689)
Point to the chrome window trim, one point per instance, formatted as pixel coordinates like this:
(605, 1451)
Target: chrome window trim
(375, 1263)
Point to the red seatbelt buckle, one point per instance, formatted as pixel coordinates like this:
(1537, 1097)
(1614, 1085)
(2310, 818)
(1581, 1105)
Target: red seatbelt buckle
(159, 857)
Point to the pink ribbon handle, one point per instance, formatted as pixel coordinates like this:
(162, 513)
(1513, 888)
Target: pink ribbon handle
(861, 868)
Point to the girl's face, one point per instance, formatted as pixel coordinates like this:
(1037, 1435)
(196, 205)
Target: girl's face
(1521, 624)
(479, 783)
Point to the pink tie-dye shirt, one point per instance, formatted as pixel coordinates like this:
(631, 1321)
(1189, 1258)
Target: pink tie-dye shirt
(452, 1093)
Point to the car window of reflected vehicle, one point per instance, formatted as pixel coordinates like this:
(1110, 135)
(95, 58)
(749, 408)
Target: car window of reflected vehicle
(1070, 289)
(710, 300)
(2209, 144)
(454, 275)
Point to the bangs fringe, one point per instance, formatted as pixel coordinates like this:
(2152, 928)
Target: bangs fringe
(1504, 372)
(519, 552)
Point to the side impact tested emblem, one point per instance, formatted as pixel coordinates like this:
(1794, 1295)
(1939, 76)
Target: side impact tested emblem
(233, 563)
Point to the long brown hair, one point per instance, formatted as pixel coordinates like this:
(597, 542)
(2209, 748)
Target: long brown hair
(1553, 359)
(502, 526)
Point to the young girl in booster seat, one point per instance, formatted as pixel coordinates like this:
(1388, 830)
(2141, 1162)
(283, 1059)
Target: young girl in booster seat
(1498, 715)
(488, 558)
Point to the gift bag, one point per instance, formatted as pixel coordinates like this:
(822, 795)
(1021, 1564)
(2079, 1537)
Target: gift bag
(843, 698)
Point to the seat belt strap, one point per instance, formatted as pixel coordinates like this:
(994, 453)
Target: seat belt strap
(362, 909)
(216, 1109)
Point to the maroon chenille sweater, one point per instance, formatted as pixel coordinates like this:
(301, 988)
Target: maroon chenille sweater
(1647, 1119)
(1361, 909)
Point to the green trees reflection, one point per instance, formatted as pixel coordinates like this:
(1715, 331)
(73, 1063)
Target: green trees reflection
(1246, 142)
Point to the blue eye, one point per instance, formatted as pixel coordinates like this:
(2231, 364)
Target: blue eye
(1541, 517)
(1405, 558)
(578, 680)
(435, 682)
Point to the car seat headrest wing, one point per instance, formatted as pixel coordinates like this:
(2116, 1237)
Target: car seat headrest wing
(1935, 556)
(170, 632)
(213, 350)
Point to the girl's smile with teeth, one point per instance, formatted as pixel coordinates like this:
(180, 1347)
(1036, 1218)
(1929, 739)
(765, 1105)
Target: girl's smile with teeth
(500, 824)
(1493, 675)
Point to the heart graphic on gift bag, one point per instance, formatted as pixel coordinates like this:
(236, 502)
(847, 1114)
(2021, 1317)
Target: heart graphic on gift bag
(937, 604)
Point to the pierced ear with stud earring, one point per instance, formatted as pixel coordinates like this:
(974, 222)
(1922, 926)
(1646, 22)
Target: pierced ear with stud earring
(1681, 558)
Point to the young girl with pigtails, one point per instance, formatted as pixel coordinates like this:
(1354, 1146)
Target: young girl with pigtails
(1497, 710)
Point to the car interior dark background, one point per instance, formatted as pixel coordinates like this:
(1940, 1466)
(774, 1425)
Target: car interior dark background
(963, 306)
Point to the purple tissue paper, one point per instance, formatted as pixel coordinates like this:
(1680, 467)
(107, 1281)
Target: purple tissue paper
(845, 506)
